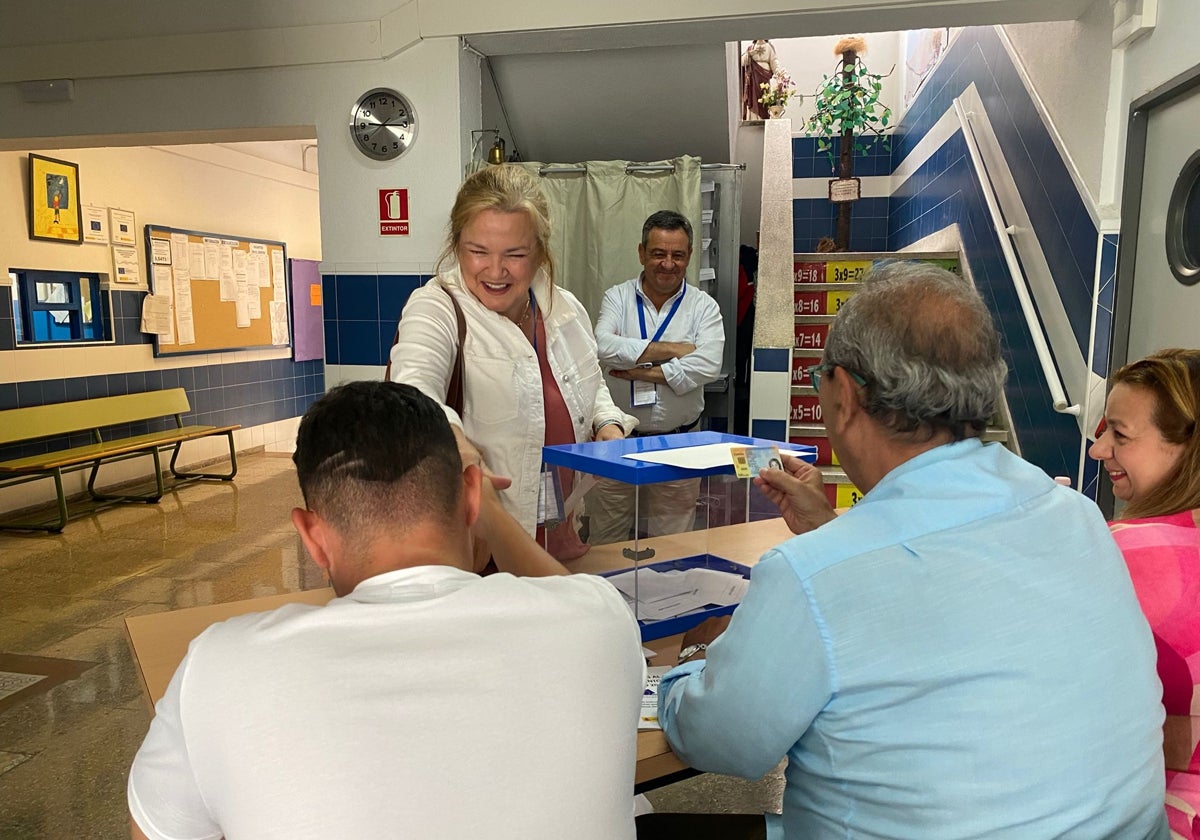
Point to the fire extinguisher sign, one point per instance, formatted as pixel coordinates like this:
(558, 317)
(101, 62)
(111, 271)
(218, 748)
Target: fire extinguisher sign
(393, 212)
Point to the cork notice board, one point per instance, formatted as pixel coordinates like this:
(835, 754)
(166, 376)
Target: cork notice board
(224, 292)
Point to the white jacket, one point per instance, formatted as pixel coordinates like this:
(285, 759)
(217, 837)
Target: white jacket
(503, 411)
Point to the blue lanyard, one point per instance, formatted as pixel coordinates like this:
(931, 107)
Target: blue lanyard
(662, 327)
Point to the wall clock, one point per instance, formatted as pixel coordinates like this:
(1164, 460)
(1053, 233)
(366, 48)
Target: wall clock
(383, 124)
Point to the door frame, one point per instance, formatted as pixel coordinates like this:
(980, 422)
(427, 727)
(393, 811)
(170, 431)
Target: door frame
(1140, 111)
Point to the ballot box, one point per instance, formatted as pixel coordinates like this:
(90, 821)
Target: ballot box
(665, 518)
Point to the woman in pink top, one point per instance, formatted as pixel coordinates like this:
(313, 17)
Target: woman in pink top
(1149, 443)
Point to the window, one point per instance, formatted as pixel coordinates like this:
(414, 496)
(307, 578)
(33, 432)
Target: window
(53, 307)
(1183, 224)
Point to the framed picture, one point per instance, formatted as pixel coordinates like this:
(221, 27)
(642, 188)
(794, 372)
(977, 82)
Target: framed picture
(95, 224)
(121, 227)
(54, 208)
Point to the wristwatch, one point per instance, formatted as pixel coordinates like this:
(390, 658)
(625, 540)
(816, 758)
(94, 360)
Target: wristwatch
(690, 651)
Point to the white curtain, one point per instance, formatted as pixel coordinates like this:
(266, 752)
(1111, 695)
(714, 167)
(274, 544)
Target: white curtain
(596, 218)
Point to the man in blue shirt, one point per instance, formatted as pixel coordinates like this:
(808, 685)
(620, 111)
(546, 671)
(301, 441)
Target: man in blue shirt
(958, 655)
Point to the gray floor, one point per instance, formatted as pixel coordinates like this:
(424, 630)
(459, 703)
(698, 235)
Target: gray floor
(65, 750)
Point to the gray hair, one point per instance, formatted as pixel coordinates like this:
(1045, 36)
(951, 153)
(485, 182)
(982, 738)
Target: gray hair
(666, 220)
(927, 346)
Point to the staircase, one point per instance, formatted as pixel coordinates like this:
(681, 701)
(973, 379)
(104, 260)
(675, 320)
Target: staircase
(823, 282)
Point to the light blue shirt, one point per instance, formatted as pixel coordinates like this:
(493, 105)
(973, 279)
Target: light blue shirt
(959, 655)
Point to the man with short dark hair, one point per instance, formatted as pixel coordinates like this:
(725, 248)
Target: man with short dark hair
(958, 655)
(660, 342)
(424, 701)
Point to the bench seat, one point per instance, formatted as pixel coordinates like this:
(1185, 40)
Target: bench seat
(109, 448)
(94, 415)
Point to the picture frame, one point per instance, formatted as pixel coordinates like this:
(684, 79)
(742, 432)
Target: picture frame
(122, 228)
(95, 224)
(55, 212)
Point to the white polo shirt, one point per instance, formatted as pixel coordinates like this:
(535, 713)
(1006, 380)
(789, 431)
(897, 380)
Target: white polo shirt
(428, 703)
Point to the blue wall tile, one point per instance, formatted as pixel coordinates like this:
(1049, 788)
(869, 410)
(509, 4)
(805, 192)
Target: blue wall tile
(357, 297)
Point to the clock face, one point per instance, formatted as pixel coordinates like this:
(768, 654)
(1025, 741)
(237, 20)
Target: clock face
(383, 124)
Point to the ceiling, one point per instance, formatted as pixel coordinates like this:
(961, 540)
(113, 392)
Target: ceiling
(578, 80)
(640, 104)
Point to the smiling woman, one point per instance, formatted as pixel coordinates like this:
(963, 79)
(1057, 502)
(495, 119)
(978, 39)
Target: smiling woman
(530, 374)
(1149, 444)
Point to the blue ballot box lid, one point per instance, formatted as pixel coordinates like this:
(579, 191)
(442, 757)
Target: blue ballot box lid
(606, 458)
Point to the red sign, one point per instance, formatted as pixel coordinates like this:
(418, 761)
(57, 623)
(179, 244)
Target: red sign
(393, 212)
(809, 272)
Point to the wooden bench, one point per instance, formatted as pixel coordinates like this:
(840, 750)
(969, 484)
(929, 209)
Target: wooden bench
(18, 425)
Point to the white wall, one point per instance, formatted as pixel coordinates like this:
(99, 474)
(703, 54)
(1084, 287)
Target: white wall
(808, 59)
(225, 105)
(185, 187)
(1069, 63)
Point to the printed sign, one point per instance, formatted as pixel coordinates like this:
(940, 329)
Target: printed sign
(393, 212)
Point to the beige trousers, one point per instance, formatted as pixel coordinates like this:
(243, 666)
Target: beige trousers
(668, 507)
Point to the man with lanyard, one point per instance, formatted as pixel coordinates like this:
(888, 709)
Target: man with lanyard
(660, 341)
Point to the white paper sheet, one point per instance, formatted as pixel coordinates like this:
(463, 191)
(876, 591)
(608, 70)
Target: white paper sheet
(229, 289)
(126, 268)
(649, 718)
(196, 265)
(279, 323)
(662, 595)
(702, 457)
(212, 258)
(160, 251)
(278, 275)
(156, 314)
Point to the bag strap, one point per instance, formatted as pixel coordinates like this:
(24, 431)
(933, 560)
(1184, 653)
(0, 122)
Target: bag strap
(454, 393)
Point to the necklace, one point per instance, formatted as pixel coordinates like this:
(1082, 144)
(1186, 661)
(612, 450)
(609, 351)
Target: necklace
(525, 317)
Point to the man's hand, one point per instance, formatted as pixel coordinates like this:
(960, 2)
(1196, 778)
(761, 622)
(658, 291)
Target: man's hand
(664, 351)
(797, 490)
(498, 536)
(471, 455)
(704, 633)
(651, 374)
(610, 431)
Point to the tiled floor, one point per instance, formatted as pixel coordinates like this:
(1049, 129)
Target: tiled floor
(65, 751)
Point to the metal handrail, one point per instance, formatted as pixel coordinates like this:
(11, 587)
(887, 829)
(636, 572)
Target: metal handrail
(1058, 395)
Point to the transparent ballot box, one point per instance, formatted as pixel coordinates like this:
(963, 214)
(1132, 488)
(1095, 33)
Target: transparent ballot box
(665, 518)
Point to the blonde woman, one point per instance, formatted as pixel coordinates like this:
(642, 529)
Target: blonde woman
(530, 374)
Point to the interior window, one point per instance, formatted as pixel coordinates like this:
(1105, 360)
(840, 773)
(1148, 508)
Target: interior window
(52, 307)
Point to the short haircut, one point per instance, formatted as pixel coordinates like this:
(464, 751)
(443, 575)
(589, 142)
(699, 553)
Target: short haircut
(374, 457)
(1172, 379)
(666, 220)
(927, 346)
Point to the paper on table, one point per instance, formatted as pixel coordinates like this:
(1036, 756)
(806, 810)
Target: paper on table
(715, 587)
(671, 594)
(649, 718)
(703, 457)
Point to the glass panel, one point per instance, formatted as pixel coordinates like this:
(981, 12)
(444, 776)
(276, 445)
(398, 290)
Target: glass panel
(19, 323)
(85, 298)
(51, 293)
(1191, 224)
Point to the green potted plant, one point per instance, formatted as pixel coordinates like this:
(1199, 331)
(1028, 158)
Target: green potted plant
(847, 106)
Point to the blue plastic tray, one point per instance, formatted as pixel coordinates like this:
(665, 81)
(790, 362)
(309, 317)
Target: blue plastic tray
(605, 458)
(671, 626)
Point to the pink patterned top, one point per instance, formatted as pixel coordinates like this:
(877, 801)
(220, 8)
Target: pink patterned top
(1163, 555)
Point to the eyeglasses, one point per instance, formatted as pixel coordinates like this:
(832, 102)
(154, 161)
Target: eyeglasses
(817, 371)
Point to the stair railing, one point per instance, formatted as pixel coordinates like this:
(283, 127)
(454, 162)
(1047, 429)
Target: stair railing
(1058, 395)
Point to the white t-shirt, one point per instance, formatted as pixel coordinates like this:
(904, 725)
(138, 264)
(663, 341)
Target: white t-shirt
(428, 703)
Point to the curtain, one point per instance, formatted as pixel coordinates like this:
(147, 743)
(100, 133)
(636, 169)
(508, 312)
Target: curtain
(596, 219)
